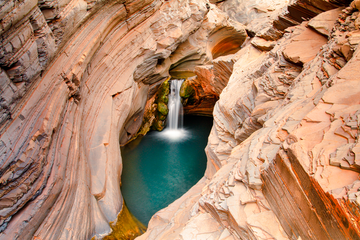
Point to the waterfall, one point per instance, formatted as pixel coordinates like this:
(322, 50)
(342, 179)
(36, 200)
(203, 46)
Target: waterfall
(175, 115)
(174, 130)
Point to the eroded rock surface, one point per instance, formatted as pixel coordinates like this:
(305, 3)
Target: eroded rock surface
(282, 151)
(77, 78)
(60, 157)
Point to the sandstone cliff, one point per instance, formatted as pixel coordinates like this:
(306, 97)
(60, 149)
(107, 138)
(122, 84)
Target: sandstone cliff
(78, 75)
(282, 151)
(75, 78)
(61, 118)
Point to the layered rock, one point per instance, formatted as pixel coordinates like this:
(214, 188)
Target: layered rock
(201, 92)
(209, 47)
(282, 151)
(60, 156)
(285, 126)
(31, 33)
(272, 18)
(257, 15)
(204, 60)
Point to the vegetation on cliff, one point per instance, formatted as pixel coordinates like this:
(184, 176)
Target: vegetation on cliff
(162, 110)
(126, 227)
(187, 92)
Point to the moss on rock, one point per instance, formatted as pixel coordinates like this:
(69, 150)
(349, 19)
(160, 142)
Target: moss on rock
(161, 117)
(164, 99)
(163, 91)
(158, 125)
(186, 90)
(162, 108)
(126, 227)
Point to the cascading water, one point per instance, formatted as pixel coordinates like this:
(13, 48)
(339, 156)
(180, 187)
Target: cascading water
(164, 165)
(175, 115)
(174, 129)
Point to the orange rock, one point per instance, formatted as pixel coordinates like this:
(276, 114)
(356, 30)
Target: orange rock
(304, 47)
(324, 22)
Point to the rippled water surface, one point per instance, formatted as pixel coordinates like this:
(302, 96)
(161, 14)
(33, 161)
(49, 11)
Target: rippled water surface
(162, 166)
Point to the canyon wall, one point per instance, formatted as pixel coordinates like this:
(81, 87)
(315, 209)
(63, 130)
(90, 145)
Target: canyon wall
(282, 151)
(75, 78)
(79, 76)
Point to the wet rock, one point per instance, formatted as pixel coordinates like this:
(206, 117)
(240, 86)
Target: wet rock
(162, 108)
(186, 91)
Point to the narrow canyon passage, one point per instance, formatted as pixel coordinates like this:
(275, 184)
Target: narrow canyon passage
(279, 78)
(161, 166)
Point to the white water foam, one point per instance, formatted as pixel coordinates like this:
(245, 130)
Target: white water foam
(174, 130)
(174, 135)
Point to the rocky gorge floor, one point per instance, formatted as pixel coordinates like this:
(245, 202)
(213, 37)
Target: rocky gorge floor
(78, 77)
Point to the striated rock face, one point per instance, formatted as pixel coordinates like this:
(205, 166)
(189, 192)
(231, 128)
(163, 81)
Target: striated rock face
(282, 152)
(205, 60)
(272, 18)
(78, 77)
(75, 79)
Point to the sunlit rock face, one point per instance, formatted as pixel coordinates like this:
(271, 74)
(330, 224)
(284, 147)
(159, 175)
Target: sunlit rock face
(257, 15)
(77, 77)
(74, 76)
(264, 21)
(282, 152)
